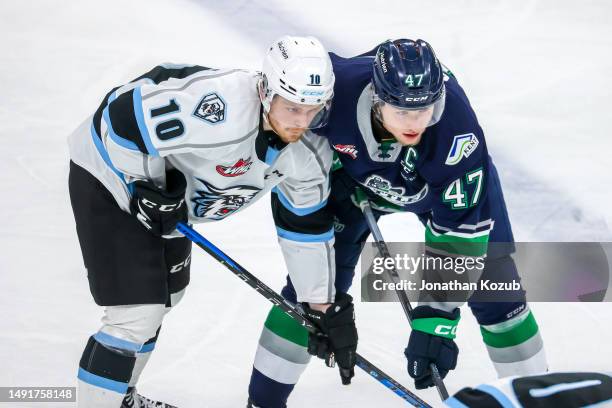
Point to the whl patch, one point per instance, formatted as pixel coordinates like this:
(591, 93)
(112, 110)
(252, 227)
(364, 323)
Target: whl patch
(235, 170)
(463, 146)
(351, 150)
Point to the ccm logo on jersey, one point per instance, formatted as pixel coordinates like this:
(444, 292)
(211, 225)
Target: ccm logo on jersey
(347, 149)
(235, 170)
(463, 146)
(211, 109)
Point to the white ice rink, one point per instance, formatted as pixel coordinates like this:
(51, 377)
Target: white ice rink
(538, 74)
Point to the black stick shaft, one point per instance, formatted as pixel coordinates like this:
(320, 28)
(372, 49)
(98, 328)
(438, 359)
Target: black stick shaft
(383, 249)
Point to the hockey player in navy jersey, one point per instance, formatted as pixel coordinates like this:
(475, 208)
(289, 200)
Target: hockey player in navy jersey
(405, 134)
(194, 144)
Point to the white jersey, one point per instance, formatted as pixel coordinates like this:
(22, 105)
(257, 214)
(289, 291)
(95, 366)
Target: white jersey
(207, 124)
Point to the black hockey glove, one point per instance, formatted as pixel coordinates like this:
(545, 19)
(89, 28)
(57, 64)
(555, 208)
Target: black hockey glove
(337, 340)
(431, 341)
(157, 209)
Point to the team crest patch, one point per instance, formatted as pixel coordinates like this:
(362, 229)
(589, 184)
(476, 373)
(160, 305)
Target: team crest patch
(235, 170)
(211, 109)
(217, 203)
(463, 146)
(396, 195)
(351, 150)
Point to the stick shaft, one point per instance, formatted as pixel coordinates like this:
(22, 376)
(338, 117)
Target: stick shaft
(383, 249)
(293, 312)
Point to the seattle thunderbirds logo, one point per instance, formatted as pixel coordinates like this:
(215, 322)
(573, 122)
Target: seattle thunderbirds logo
(217, 203)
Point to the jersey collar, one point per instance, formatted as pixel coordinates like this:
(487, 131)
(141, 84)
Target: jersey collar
(378, 152)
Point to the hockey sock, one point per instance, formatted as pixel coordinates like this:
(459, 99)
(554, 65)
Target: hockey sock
(282, 356)
(515, 346)
(105, 370)
(142, 358)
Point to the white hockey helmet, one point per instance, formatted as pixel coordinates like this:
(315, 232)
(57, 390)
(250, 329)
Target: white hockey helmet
(300, 70)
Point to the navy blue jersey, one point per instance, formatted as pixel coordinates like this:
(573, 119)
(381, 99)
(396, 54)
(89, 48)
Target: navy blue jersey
(444, 178)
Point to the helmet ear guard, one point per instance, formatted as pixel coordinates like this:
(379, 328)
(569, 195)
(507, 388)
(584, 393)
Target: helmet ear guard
(264, 93)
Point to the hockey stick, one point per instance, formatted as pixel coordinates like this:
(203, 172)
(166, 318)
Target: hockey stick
(366, 208)
(293, 312)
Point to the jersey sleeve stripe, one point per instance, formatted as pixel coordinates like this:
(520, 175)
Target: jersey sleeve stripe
(497, 394)
(144, 133)
(120, 120)
(295, 210)
(202, 77)
(104, 154)
(296, 236)
(314, 223)
(116, 138)
(475, 244)
(453, 402)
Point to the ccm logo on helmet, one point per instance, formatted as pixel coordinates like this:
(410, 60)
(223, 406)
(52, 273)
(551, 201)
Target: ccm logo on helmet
(417, 99)
(312, 93)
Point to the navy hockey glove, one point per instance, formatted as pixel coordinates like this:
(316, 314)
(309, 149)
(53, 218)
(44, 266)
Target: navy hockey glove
(157, 209)
(338, 337)
(431, 341)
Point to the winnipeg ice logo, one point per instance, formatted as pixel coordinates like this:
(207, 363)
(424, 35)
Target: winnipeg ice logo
(211, 109)
(463, 146)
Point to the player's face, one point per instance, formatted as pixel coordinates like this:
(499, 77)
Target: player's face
(406, 126)
(289, 119)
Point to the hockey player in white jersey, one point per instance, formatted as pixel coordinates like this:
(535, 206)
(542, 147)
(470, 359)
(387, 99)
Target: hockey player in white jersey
(194, 144)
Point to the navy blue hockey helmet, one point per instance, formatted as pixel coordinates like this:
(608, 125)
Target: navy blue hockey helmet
(407, 75)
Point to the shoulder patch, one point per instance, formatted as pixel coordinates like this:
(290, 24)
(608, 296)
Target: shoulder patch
(211, 109)
(462, 146)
